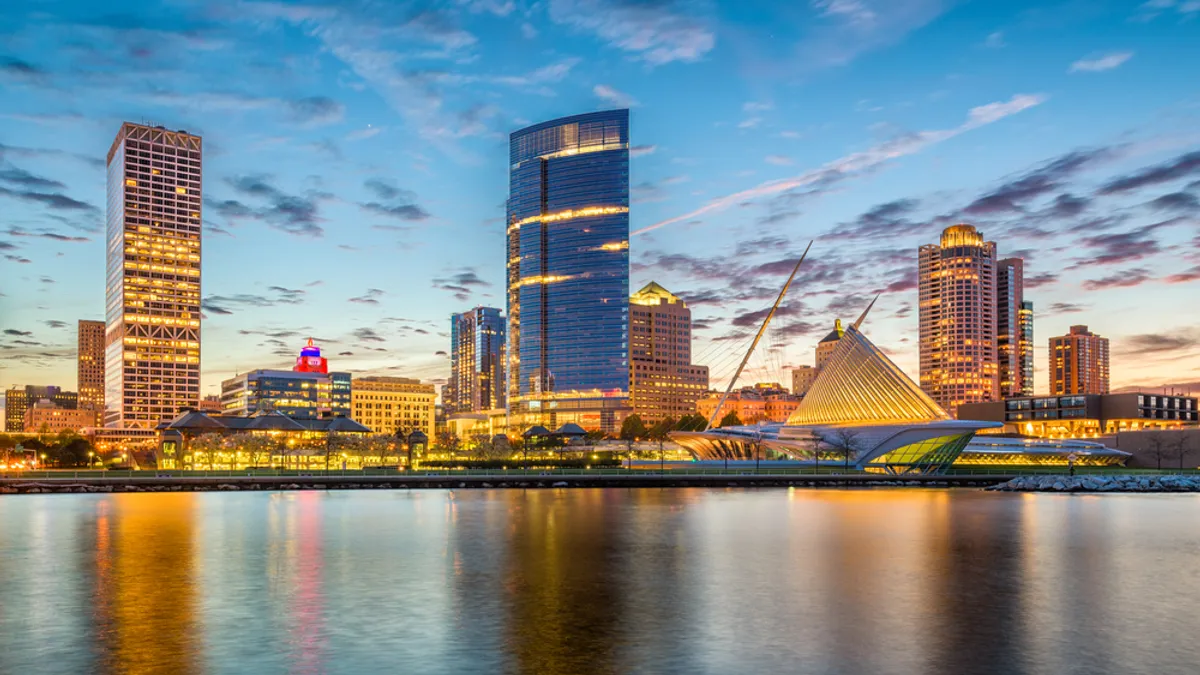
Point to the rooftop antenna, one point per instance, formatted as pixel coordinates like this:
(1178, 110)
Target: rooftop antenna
(762, 329)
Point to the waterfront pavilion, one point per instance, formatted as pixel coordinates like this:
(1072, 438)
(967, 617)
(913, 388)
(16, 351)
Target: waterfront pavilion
(862, 410)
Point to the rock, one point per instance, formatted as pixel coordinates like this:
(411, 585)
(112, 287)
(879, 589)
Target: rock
(561, 483)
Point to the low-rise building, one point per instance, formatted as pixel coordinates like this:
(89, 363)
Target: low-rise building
(752, 404)
(1086, 415)
(17, 400)
(309, 390)
(45, 416)
(196, 440)
(390, 404)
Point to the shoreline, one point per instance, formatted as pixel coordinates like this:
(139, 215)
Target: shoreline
(484, 482)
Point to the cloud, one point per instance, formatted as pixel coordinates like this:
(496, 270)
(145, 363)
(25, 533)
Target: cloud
(1186, 277)
(45, 234)
(1176, 202)
(1126, 279)
(642, 150)
(225, 304)
(611, 96)
(845, 29)
(55, 323)
(1040, 279)
(17, 333)
(994, 40)
(294, 214)
(1014, 195)
(1155, 343)
(1181, 167)
(15, 176)
(889, 219)
(51, 200)
(371, 297)
(315, 110)
(367, 335)
(778, 160)
(860, 162)
(460, 283)
(401, 206)
(658, 32)
(1063, 308)
(1099, 64)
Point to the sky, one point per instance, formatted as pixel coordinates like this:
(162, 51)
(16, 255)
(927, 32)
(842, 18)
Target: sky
(355, 165)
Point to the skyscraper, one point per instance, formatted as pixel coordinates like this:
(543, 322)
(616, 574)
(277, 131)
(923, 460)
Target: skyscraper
(957, 281)
(1014, 316)
(90, 368)
(568, 271)
(476, 361)
(1025, 321)
(663, 381)
(152, 314)
(1079, 363)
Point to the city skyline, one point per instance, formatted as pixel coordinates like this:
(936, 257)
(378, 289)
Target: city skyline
(1102, 209)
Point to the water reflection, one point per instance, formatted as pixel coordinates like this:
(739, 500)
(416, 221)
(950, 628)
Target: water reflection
(598, 581)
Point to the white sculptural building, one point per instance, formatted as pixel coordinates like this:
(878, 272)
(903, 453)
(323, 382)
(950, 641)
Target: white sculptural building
(864, 411)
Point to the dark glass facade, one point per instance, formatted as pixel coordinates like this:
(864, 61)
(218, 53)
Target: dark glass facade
(568, 271)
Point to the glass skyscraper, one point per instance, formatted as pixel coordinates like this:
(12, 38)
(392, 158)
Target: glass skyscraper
(568, 271)
(476, 361)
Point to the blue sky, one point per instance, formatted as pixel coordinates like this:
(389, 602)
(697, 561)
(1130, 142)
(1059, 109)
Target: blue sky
(356, 164)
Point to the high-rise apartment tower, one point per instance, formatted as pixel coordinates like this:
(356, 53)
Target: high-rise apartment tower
(1079, 363)
(957, 282)
(1014, 317)
(663, 380)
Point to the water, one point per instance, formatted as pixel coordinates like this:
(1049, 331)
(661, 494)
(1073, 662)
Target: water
(600, 581)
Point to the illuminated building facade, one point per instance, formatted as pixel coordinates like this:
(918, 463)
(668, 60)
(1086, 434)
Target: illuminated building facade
(299, 395)
(568, 271)
(1079, 363)
(1087, 415)
(753, 405)
(957, 290)
(862, 404)
(827, 344)
(45, 416)
(152, 311)
(803, 378)
(386, 405)
(309, 390)
(663, 382)
(1014, 330)
(477, 353)
(90, 369)
(18, 400)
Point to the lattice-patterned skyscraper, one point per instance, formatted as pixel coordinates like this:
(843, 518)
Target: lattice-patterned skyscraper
(152, 313)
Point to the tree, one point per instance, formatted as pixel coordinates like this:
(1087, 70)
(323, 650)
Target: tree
(1157, 445)
(632, 429)
(843, 442)
(693, 422)
(730, 419)
(1179, 446)
(447, 442)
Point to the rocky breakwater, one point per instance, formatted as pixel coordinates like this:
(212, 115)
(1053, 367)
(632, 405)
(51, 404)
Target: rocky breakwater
(1100, 484)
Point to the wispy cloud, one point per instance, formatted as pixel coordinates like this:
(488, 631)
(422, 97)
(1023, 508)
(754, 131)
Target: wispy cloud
(1099, 64)
(614, 97)
(856, 163)
(657, 32)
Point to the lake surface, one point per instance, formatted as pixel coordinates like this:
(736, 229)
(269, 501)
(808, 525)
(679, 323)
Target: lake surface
(600, 581)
